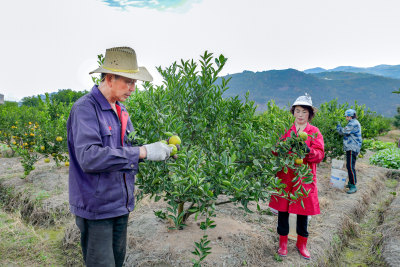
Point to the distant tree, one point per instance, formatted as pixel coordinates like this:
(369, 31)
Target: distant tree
(397, 117)
(30, 101)
(67, 96)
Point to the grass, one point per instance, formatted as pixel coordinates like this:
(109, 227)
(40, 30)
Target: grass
(23, 245)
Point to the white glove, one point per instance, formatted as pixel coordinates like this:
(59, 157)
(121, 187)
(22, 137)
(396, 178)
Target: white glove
(158, 151)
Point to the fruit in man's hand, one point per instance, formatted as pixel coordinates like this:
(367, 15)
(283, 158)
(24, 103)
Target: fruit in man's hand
(303, 136)
(47, 160)
(174, 140)
(174, 149)
(298, 161)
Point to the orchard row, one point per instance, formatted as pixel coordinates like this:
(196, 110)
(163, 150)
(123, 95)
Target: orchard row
(226, 147)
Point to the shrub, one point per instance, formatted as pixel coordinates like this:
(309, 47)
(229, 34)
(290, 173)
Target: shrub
(388, 158)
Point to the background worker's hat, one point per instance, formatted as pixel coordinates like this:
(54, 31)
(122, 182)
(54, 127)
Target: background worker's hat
(350, 113)
(304, 100)
(122, 61)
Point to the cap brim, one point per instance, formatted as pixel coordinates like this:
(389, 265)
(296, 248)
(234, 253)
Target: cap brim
(142, 75)
(305, 104)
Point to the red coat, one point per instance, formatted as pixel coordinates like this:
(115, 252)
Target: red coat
(316, 155)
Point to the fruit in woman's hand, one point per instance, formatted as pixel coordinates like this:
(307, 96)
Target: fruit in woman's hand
(298, 161)
(303, 136)
(174, 149)
(174, 140)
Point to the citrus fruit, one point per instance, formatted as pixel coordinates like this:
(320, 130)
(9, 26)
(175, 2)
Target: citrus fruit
(303, 136)
(47, 160)
(67, 163)
(298, 161)
(59, 139)
(174, 149)
(174, 140)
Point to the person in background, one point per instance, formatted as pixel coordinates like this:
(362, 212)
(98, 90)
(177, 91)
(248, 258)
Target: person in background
(352, 142)
(103, 162)
(303, 112)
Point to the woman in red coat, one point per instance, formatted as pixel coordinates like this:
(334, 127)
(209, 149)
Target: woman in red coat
(303, 111)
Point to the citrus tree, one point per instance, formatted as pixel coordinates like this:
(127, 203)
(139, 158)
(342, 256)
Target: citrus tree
(226, 153)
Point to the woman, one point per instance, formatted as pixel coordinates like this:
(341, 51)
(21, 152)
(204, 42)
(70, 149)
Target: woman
(352, 142)
(303, 111)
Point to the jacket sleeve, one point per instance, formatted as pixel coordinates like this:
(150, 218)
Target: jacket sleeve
(88, 146)
(317, 152)
(347, 130)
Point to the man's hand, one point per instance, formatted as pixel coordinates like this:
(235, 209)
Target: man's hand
(158, 151)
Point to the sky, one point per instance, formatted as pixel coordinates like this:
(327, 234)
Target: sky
(47, 45)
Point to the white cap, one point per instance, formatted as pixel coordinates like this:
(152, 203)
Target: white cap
(304, 100)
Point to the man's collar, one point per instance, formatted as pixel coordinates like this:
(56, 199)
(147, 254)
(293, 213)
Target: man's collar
(100, 98)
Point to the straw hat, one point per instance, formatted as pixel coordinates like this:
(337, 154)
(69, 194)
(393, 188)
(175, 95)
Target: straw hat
(122, 61)
(304, 100)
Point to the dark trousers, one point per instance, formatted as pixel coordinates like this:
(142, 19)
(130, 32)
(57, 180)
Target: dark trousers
(103, 242)
(351, 158)
(283, 224)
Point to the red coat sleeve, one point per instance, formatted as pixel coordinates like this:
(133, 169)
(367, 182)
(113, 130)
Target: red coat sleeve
(316, 145)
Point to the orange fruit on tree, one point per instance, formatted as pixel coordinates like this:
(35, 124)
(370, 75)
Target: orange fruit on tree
(303, 136)
(59, 139)
(298, 161)
(174, 149)
(174, 140)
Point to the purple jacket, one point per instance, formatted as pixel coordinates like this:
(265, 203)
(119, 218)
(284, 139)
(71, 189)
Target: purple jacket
(102, 170)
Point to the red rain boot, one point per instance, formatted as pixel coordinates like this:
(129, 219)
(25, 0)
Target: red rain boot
(301, 245)
(282, 251)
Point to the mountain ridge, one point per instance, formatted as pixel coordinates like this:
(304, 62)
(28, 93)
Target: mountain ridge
(391, 71)
(284, 86)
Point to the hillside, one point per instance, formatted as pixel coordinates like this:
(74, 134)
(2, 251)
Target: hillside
(390, 71)
(285, 85)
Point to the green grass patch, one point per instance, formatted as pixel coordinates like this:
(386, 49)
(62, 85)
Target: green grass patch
(388, 158)
(22, 245)
(377, 145)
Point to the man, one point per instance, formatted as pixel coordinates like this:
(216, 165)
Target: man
(103, 162)
(352, 142)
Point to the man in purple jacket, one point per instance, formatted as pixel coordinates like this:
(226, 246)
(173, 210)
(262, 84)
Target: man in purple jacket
(103, 162)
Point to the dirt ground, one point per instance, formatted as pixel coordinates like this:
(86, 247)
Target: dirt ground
(391, 136)
(240, 239)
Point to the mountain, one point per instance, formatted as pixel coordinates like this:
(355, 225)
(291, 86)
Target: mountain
(391, 71)
(284, 86)
(315, 70)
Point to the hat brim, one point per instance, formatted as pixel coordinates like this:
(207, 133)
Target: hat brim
(305, 104)
(142, 75)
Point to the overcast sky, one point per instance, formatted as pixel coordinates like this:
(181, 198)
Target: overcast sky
(48, 45)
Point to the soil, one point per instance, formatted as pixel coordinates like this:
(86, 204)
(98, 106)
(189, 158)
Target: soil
(391, 136)
(240, 238)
